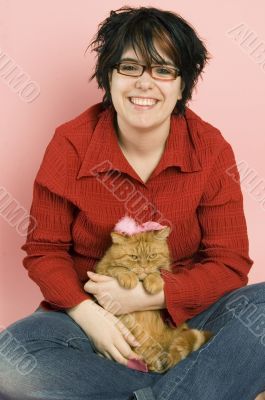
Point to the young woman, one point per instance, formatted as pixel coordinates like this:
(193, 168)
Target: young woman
(141, 152)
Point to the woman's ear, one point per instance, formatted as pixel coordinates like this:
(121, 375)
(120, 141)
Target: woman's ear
(182, 86)
(110, 78)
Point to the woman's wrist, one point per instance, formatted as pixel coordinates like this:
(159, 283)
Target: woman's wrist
(78, 311)
(149, 301)
(157, 301)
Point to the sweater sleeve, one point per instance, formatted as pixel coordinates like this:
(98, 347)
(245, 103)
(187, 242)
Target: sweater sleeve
(48, 242)
(223, 260)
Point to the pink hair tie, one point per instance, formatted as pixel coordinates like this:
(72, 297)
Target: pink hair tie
(129, 226)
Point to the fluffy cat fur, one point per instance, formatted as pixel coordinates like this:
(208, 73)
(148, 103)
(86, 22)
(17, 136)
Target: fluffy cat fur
(139, 257)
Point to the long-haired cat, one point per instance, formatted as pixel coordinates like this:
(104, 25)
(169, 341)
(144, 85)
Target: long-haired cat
(138, 257)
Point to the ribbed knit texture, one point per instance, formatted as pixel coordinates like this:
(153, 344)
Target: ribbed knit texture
(85, 185)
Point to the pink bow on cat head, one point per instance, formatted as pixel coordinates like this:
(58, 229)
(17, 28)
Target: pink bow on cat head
(129, 226)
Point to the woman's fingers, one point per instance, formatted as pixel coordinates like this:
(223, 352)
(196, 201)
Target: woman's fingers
(117, 356)
(121, 356)
(127, 334)
(120, 348)
(103, 355)
(261, 396)
(125, 350)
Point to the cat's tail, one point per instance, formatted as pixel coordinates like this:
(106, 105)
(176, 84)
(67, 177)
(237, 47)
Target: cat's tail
(182, 345)
(201, 337)
(187, 341)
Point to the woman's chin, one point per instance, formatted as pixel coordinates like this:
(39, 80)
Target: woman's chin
(143, 123)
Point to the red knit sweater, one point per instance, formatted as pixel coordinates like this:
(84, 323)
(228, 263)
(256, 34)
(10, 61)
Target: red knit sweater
(85, 185)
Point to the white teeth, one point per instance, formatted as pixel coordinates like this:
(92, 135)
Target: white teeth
(143, 102)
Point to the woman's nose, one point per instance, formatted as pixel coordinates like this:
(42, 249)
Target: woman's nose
(145, 81)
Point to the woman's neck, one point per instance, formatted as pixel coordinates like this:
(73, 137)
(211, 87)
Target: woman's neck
(139, 143)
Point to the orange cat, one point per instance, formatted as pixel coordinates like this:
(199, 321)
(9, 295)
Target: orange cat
(139, 257)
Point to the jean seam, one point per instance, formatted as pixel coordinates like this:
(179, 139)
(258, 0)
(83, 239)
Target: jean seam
(45, 340)
(85, 339)
(144, 394)
(209, 320)
(58, 341)
(77, 337)
(220, 316)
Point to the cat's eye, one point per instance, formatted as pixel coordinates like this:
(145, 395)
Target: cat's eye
(133, 256)
(152, 255)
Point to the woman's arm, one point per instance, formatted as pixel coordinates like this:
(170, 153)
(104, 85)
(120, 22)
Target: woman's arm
(224, 261)
(48, 261)
(118, 300)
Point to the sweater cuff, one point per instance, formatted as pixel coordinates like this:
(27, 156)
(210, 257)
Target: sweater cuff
(181, 297)
(46, 305)
(61, 287)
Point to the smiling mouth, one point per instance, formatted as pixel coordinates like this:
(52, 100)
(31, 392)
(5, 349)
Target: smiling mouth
(143, 103)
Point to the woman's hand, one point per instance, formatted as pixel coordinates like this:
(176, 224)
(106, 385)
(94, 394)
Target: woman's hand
(118, 300)
(107, 333)
(261, 396)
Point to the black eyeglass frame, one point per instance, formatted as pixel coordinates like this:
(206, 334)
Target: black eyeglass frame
(145, 67)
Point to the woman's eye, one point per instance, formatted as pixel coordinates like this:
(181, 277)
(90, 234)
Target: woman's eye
(133, 256)
(128, 67)
(163, 71)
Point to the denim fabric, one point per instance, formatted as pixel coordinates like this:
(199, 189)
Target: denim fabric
(47, 356)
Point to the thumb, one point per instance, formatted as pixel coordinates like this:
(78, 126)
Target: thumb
(98, 277)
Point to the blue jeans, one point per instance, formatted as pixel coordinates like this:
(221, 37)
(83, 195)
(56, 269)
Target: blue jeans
(46, 355)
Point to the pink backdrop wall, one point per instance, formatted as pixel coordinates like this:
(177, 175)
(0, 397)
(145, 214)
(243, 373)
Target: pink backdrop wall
(47, 40)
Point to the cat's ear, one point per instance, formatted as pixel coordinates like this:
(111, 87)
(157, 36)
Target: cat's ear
(162, 234)
(117, 237)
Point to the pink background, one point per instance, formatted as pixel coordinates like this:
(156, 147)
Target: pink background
(48, 39)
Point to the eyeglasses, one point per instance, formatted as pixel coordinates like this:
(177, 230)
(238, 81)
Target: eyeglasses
(162, 72)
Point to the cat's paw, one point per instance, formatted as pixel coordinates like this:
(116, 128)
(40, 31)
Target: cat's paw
(128, 280)
(153, 283)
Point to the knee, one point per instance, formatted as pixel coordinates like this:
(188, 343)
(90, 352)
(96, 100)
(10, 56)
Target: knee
(248, 306)
(250, 296)
(14, 354)
(254, 293)
(16, 362)
(20, 345)
(41, 326)
(13, 372)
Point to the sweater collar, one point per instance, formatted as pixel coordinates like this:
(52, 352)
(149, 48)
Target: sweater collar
(104, 153)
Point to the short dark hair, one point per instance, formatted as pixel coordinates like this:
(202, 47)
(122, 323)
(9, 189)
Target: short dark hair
(138, 28)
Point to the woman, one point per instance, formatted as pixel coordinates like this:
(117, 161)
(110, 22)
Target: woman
(141, 152)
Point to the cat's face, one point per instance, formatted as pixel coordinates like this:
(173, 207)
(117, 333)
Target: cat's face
(142, 253)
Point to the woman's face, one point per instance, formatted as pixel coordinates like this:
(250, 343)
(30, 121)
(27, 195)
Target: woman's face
(123, 88)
